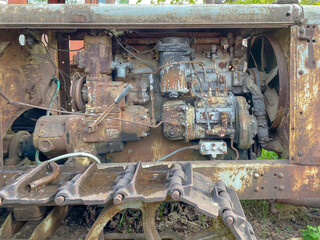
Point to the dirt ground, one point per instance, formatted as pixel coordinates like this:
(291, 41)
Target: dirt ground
(185, 220)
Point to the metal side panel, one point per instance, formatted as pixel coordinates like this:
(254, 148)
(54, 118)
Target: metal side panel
(304, 94)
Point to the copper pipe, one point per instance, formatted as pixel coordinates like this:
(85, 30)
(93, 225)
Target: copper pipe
(234, 149)
(46, 179)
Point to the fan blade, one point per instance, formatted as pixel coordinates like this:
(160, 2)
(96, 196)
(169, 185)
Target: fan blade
(271, 100)
(271, 75)
(262, 55)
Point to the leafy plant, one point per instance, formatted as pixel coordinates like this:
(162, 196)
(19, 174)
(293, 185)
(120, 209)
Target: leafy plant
(311, 233)
(268, 155)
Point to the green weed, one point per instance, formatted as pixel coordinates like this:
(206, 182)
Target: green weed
(311, 233)
(268, 155)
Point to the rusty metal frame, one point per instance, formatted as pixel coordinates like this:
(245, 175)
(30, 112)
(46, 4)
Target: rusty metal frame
(55, 16)
(260, 179)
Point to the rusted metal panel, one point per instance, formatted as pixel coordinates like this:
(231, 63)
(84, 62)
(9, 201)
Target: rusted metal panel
(148, 16)
(305, 98)
(25, 76)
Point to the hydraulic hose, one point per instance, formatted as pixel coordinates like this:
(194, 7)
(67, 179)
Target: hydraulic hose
(75, 154)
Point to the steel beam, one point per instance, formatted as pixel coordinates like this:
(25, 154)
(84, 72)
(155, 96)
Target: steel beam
(61, 16)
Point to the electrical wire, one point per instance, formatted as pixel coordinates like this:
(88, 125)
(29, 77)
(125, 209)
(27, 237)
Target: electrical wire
(36, 156)
(131, 53)
(83, 114)
(54, 96)
(143, 52)
(63, 74)
(206, 104)
(176, 151)
(75, 154)
(61, 50)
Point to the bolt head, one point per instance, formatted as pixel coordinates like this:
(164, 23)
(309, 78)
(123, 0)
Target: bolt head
(256, 175)
(229, 220)
(60, 200)
(175, 195)
(118, 199)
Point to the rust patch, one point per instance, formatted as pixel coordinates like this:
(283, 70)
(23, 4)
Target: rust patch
(305, 97)
(222, 65)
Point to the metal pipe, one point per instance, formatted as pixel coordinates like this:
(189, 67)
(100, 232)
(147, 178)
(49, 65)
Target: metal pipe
(234, 149)
(46, 179)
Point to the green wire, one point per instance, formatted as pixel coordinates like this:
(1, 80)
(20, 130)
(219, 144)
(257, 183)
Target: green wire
(54, 96)
(37, 157)
(48, 113)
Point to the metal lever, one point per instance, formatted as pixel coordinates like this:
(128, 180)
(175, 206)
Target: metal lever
(92, 126)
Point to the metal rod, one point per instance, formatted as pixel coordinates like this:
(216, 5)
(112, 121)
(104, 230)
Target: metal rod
(234, 149)
(46, 179)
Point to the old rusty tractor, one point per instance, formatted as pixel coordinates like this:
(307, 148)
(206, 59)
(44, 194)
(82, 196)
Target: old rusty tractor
(161, 104)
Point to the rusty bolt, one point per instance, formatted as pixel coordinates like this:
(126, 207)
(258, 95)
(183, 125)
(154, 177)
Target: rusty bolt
(256, 189)
(281, 188)
(60, 200)
(300, 153)
(118, 199)
(172, 131)
(256, 175)
(45, 146)
(280, 175)
(229, 220)
(301, 72)
(301, 30)
(175, 195)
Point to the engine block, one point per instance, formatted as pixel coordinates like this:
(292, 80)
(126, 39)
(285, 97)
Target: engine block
(196, 82)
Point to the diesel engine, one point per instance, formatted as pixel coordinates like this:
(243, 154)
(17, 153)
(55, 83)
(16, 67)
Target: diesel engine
(198, 89)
